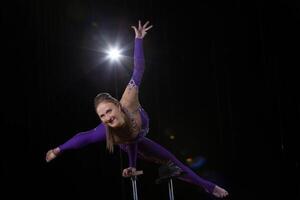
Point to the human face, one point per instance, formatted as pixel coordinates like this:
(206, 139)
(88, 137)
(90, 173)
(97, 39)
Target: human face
(110, 114)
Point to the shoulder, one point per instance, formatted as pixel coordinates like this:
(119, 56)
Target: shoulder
(130, 98)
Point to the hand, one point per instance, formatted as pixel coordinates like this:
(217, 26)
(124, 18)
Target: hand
(51, 154)
(141, 31)
(128, 171)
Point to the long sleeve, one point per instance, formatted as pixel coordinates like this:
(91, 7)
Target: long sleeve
(132, 154)
(139, 62)
(135, 81)
(82, 139)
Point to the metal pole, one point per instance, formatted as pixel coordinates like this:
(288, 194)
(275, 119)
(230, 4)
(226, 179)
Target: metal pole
(171, 192)
(134, 188)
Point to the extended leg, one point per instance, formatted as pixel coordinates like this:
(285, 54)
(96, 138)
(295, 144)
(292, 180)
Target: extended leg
(150, 150)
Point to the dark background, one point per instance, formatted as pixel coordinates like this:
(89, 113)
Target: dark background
(221, 76)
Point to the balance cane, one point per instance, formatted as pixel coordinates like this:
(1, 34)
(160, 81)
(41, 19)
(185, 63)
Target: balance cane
(166, 173)
(171, 191)
(133, 178)
(170, 185)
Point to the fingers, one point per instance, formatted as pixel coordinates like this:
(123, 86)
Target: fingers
(128, 172)
(125, 173)
(145, 25)
(141, 31)
(146, 29)
(135, 30)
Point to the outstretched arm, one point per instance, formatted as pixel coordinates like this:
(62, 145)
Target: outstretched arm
(131, 150)
(130, 96)
(139, 61)
(80, 140)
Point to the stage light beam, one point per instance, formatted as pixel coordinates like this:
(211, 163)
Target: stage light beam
(114, 54)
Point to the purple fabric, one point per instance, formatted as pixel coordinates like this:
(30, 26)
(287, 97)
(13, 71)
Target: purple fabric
(151, 151)
(132, 148)
(144, 147)
(138, 71)
(84, 138)
(141, 146)
(147, 149)
(139, 62)
(132, 154)
(145, 121)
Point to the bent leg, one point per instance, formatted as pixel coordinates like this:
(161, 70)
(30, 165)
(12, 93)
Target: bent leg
(150, 150)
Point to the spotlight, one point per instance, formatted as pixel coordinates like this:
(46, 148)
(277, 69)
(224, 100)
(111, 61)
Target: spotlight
(114, 54)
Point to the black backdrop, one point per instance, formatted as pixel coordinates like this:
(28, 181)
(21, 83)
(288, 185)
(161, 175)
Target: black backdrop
(221, 76)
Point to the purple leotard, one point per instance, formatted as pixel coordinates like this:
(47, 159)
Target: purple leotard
(142, 147)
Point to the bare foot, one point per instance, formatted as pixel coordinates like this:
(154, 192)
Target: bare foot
(52, 153)
(219, 192)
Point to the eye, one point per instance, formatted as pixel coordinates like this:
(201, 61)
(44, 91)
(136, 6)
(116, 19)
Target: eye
(109, 111)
